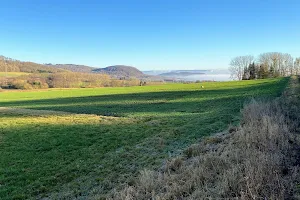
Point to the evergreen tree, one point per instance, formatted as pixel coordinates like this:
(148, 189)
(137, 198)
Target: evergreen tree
(262, 72)
(272, 71)
(252, 71)
(245, 74)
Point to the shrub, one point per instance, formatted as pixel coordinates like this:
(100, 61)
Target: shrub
(18, 84)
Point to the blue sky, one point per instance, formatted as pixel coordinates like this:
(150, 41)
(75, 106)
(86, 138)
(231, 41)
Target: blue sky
(147, 34)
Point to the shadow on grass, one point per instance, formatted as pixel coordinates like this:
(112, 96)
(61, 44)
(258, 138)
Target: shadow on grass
(38, 159)
(41, 157)
(155, 102)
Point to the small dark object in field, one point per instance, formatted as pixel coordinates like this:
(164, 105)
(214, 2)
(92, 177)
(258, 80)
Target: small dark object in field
(232, 129)
(110, 114)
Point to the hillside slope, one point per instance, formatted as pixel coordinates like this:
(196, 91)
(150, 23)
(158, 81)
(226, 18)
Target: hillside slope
(116, 71)
(12, 65)
(121, 71)
(74, 67)
(258, 159)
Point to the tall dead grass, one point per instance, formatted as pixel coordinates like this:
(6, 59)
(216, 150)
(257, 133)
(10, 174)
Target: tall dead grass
(257, 160)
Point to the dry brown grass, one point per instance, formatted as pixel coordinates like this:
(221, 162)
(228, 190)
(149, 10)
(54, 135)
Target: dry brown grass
(257, 160)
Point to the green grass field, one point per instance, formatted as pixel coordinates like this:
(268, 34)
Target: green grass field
(104, 136)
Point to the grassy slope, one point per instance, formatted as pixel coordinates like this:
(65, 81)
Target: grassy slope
(86, 154)
(257, 160)
(12, 74)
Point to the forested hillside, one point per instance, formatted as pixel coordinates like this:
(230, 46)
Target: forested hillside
(121, 71)
(118, 71)
(73, 67)
(12, 65)
(29, 75)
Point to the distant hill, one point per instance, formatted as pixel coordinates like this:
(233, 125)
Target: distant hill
(180, 73)
(12, 65)
(117, 71)
(121, 71)
(175, 72)
(74, 68)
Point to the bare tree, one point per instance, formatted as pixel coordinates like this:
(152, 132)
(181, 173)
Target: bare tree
(297, 66)
(278, 64)
(288, 65)
(238, 64)
(270, 64)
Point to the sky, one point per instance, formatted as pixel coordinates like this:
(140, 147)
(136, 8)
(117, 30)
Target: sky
(147, 34)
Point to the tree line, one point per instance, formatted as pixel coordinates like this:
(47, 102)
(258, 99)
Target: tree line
(63, 80)
(68, 80)
(266, 65)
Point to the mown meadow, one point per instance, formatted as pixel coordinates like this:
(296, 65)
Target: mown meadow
(85, 142)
